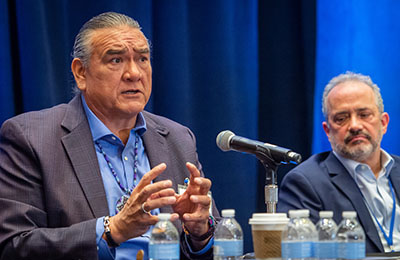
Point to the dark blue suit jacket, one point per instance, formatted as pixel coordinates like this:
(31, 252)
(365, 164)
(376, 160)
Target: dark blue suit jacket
(323, 183)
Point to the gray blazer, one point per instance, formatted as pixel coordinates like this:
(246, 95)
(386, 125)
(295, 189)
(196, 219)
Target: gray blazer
(51, 190)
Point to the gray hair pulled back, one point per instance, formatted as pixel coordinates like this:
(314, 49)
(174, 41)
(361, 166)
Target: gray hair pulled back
(351, 76)
(82, 46)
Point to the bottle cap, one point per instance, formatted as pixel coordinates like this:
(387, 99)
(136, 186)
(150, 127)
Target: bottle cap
(296, 213)
(164, 216)
(304, 212)
(293, 213)
(228, 213)
(349, 214)
(326, 214)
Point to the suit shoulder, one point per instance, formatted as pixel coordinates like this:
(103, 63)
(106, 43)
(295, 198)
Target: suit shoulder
(41, 119)
(396, 158)
(153, 119)
(312, 165)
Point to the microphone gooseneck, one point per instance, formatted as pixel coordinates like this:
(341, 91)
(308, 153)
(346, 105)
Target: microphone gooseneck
(227, 140)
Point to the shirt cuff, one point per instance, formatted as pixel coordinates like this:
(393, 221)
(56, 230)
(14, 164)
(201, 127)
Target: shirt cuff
(103, 250)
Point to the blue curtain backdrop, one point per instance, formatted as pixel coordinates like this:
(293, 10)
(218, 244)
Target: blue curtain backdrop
(6, 86)
(364, 37)
(205, 73)
(256, 67)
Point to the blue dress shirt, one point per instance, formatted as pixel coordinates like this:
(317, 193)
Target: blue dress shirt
(122, 159)
(377, 194)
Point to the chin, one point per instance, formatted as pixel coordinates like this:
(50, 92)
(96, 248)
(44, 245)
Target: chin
(360, 153)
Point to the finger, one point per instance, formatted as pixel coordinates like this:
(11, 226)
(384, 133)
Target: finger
(151, 175)
(194, 172)
(202, 200)
(162, 193)
(150, 189)
(195, 217)
(204, 184)
(158, 203)
(174, 216)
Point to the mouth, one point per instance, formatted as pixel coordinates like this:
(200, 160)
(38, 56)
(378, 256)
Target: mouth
(130, 91)
(356, 139)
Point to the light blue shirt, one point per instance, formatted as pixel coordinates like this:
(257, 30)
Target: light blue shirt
(122, 157)
(377, 195)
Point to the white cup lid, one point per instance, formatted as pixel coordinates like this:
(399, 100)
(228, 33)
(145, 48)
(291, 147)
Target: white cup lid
(268, 218)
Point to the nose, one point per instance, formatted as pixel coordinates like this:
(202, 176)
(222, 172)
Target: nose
(131, 72)
(355, 123)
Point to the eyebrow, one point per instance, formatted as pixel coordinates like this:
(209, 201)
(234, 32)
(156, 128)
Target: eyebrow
(124, 50)
(115, 51)
(143, 50)
(357, 110)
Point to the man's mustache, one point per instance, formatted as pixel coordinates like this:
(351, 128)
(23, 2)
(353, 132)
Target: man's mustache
(352, 135)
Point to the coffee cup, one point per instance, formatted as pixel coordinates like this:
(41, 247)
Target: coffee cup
(266, 229)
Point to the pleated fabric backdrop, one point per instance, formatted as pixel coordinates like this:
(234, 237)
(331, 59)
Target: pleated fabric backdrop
(254, 67)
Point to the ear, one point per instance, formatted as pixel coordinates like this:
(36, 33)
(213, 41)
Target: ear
(79, 72)
(384, 122)
(325, 126)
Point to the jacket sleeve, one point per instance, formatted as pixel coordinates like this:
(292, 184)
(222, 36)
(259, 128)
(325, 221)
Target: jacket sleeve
(297, 192)
(25, 232)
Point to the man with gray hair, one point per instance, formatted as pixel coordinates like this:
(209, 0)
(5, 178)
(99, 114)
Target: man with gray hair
(86, 180)
(358, 175)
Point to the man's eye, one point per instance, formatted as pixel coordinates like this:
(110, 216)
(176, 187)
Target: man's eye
(365, 114)
(340, 119)
(116, 60)
(143, 59)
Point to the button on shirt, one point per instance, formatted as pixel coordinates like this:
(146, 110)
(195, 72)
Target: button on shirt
(377, 195)
(122, 159)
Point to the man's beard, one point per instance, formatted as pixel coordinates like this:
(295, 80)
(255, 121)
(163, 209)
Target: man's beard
(357, 152)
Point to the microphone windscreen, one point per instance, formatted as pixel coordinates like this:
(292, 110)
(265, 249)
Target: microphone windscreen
(223, 140)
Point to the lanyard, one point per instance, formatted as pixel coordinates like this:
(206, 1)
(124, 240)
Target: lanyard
(389, 238)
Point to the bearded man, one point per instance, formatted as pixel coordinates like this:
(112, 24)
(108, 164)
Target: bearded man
(358, 175)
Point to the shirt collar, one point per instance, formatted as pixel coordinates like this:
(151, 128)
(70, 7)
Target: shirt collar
(352, 166)
(99, 129)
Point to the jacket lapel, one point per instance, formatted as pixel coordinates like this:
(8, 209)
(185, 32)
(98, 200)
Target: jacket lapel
(395, 178)
(346, 184)
(155, 143)
(80, 149)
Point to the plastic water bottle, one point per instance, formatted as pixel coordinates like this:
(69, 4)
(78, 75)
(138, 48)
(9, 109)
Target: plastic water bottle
(164, 239)
(326, 247)
(351, 237)
(228, 237)
(299, 236)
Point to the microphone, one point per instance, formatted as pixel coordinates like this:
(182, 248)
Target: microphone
(227, 140)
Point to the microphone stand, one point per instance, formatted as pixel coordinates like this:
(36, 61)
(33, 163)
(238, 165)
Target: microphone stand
(271, 182)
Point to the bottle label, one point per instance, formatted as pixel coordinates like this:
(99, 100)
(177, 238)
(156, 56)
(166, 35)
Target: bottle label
(297, 249)
(352, 250)
(326, 249)
(228, 247)
(164, 251)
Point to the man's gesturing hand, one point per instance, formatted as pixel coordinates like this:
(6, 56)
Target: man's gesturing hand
(133, 220)
(193, 205)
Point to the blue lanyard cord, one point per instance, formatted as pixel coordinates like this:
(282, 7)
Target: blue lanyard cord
(389, 239)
